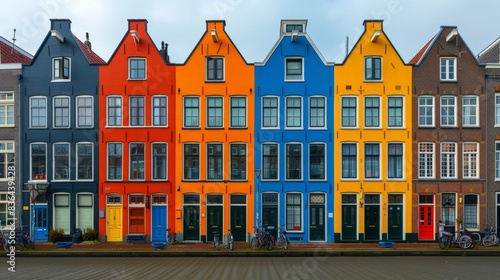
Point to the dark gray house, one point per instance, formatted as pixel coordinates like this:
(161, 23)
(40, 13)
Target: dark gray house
(59, 134)
(11, 59)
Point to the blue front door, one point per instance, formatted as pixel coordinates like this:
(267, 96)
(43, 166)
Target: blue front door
(159, 223)
(40, 222)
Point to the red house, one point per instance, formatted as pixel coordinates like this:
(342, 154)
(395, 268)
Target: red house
(136, 140)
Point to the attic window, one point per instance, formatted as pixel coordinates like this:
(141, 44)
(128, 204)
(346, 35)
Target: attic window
(61, 68)
(291, 27)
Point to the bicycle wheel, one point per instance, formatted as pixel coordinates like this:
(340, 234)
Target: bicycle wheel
(231, 243)
(497, 240)
(465, 241)
(216, 242)
(255, 243)
(170, 239)
(443, 241)
(19, 243)
(488, 240)
(281, 242)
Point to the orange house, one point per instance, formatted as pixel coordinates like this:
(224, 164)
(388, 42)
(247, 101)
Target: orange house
(137, 105)
(214, 133)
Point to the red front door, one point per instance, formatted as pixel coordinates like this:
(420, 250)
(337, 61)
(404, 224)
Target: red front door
(426, 222)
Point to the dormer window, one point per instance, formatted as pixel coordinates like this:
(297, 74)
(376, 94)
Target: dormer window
(294, 69)
(61, 68)
(291, 27)
(215, 69)
(448, 69)
(373, 68)
(137, 69)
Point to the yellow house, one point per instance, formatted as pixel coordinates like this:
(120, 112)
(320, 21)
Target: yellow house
(373, 152)
(214, 140)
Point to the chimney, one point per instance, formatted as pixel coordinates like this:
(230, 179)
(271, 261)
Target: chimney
(87, 42)
(164, 52)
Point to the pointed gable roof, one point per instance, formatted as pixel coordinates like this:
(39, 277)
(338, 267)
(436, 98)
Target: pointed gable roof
(10, 53)
(92, 57)
(416, 59)
(491, 54)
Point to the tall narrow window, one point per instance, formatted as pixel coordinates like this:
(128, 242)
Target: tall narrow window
(61, 161)
(270, 161)
(214, 161)
(191, 161)
(159, 111)
(349, 161)
(114, 111)
(448, 111)
(115, 161)
(85, 161)
(293, 212)
(373, 68)
(471, 211)
(372, 111)
(214, 112)
(39, 161)
(448, 160)
(160, 161)
(448, 210)
(293, 161)
(470, 111)
(62, 213)
(348, 111)
(38, 112)
(293, 112)
(136, 110)
(426, 160)
(6, 109)
(61, 111)
(270, 112)
(448, 69)
(497, 109)
(61, 68)
(215, 69)
(470, 160)
(395, 112)
(137, 69)
(497, 161)
(425, 111)
(6, 159)
(85, 112)
(238, 162)
(84, 212)
(136, 161)
(395, 161)
(294, 69)
(317, 112)
(238, 112)
(317, 161)
(191, 112)
(372, 161)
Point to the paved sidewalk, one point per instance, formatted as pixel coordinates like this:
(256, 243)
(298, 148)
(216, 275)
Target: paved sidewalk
(245, 250)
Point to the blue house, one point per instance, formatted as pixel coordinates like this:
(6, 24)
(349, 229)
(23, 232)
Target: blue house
(294, 137)
(59, 134)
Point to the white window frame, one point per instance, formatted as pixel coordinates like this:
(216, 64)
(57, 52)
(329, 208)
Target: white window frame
(120, 109)
(497, 109)
(356, 161)
(446, 71)
(342, 98)
(6, 103)
(301, 112)
(184, 115)
(448, 116)
(277, 108)
(277, 157)
(79, 215)
(61, 60)
(31, 161)
(198, 158)
(310, 165)
(448, 164)
(236, 97)
(372, 69)
(55, 116)
(8, 148)
(427, 108)
(402, 161)
(470, 156)
(497, 161)
(65, 225)
(470, 112)
(155, 108)
(68, 168)
(324, 118)
(301, 162)
(379, 158)
(140, 114)
(40, 108)
(210, 154)
(396, 126)
(476, 211)
(130, 161)
(232, 154)
(216, 108)
(107, 161)
(426, 156)
(207, 70)
(153, 177)
(379, 112)
(294, 77)
(85, 116)
(130, 59)
(301, 207)
(78, 159)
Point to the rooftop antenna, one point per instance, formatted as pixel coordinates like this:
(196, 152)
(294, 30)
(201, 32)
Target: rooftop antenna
(13, 42)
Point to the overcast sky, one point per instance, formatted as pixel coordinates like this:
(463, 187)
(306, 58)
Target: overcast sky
(253, 25)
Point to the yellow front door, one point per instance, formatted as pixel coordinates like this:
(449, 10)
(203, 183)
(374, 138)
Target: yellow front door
(114, 221)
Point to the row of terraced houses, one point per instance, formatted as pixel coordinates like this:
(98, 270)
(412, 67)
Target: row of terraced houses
(372, 148)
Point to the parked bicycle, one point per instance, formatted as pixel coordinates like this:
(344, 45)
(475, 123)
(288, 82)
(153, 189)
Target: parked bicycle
(21, 239)
(491, 237)
(262, 238)
(282, 241)
(171, 238)
(227, 243)
(461, 238)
